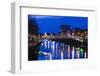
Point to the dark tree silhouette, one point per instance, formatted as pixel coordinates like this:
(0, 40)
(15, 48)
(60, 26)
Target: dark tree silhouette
(33, 50)
(33, 27)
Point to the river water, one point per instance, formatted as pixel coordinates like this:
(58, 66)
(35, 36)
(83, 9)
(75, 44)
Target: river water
(52, 50)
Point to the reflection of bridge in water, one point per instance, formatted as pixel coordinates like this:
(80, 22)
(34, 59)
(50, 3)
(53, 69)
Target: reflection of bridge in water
(62, 48)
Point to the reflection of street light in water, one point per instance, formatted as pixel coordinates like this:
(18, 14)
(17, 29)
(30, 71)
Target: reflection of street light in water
(48, 43)
(50, 56)
(56, 48)
(53, 44)
(81, 51)
(85, 55)
(61, 54)
(73, 49)
(68, 51)
(77, 52)
(62, 51)
(45, 43)
(53, 48)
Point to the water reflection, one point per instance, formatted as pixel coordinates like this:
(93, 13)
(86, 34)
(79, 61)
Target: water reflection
(52, 50)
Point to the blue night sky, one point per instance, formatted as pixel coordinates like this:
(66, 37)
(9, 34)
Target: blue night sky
(51, 24)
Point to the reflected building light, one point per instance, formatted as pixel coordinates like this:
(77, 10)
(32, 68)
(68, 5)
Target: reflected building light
(62, 54)
(56, 48)
(84, 54)
(48, 44)
(45, 44)
(78, 52)
(50, 56)
(81, 51)
(56, 45)
(68, 51)
(63, 46)
(53, 48)
(53, 44)
(73, 49)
